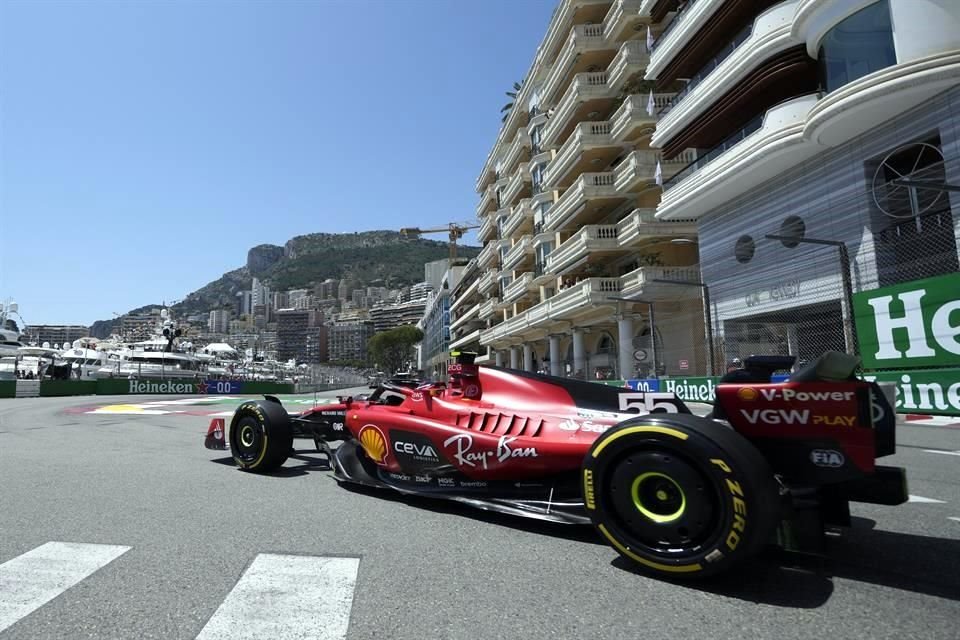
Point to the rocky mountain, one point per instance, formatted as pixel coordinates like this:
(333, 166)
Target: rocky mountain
(363, 257)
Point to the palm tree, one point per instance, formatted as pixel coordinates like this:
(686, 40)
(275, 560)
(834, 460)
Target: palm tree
(505, 110)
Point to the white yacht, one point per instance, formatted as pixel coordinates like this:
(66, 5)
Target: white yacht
(159, 357)
(84, 362)
(10, 339)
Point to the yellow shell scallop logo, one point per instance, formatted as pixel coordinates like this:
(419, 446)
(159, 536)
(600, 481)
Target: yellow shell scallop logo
(747, 393)
(374, 443)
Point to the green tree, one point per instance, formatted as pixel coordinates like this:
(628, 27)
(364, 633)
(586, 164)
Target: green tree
(392, 349)
(505, 110)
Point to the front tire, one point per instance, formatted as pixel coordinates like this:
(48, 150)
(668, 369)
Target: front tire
(260, 436)
(679, 496)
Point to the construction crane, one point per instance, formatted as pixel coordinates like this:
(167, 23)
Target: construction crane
(455, 231)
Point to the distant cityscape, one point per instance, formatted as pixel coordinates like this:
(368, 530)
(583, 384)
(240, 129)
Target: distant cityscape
(329, 322)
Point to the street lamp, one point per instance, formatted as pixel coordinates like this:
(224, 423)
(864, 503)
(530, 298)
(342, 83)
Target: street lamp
(653, 335)
(707, 317)
(849, 330)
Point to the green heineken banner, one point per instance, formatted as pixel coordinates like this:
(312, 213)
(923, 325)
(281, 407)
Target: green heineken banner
(935, 391)
(916, 324)
(8, 388)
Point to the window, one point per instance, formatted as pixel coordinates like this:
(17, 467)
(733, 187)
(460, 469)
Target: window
(744, 249)
(857, 46)
(913, 226)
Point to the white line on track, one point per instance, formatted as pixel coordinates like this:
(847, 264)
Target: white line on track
(36, 577)
(914, 498)
(954, 518)
(946, 453)
(284, 596)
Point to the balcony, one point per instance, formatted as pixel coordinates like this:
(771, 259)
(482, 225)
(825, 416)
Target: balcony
(589, 145)
(681, 30)
(488, 201)
(748, 158)
(488, 308)
(640, 282)
(468, 315)
(519, 288)
(633, 121)
(636, 171)
(520, 220)
(488, 228)
(591, 195)
(632, 58)
(591, 240)
(585, 47)
(769, 35)
(488, 255)
(572, 303)
(517, 187)
(518, 150)
(487, 282)
(518, 253)
(620, 19)
(641, 226)
(465, 296)
(587, 93)
(465, 340)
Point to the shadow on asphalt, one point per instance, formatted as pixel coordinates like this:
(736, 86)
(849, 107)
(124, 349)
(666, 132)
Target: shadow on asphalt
(920, 564)
(297, 464)
(578, 533)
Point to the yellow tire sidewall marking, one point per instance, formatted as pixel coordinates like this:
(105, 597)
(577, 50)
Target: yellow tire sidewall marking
(631, 430)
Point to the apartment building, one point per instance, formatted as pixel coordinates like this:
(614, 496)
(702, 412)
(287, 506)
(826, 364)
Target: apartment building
(301, 335)
(56, 333)
(826, 157)
(568, 198)
(434, 352)
(348, 342)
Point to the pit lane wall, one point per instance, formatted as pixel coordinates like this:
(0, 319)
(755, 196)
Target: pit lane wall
(116, 386)
(923, 391)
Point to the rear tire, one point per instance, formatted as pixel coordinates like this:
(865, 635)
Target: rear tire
(679, 496)
(260, 436)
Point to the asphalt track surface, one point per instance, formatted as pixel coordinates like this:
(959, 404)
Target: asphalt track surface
(162, 532)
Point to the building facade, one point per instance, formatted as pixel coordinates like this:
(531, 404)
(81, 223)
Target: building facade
(434, 351)
(568, 196)
(826, 158)
(219, 321)
(56, 333)
(348, 342)
(301, 336)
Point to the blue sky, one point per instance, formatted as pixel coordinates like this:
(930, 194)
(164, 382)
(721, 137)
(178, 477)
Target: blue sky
(146, 145)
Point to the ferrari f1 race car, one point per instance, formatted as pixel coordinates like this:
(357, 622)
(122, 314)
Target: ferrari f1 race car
(677, 494)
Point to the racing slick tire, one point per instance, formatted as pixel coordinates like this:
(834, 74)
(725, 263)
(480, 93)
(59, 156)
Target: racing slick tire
(260, 436)
(680, 496)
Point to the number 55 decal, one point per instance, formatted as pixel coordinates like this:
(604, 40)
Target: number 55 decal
(647, 402)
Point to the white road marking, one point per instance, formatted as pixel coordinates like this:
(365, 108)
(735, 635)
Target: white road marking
(222, 414)
(946, 453)
(914, 498)
(200, 400)
(36, 577)
(284, 596)
(955, 519)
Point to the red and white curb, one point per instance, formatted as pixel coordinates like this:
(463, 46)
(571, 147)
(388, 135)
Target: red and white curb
(932, 421)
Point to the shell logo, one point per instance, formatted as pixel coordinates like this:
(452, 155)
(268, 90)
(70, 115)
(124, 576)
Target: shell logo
(747, 393)
(373, 442)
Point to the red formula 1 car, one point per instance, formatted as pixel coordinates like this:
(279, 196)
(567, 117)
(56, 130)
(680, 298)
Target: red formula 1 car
(678, 494)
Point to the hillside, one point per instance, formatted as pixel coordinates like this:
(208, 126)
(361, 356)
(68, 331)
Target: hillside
(308, 259)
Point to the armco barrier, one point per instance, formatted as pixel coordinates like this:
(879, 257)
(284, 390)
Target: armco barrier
(68, 388)
(8, 388)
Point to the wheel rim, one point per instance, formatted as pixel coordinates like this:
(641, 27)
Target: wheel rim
(663, 502)
(658, 497)
(249, 440)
